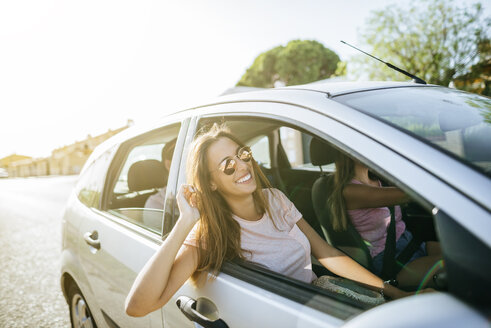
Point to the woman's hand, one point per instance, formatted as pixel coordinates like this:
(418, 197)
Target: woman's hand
(187, 202)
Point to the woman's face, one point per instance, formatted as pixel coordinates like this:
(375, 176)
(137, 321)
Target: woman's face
(240, 183)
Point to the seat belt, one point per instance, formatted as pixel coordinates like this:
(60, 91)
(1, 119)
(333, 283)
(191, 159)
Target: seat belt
(393, 265)
(408, 252)
(389, 265)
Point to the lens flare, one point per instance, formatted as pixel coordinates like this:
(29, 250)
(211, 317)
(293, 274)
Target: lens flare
(437, 266)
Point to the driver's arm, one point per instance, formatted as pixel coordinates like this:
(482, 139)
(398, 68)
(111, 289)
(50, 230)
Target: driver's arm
(343, 265)
(358, 196)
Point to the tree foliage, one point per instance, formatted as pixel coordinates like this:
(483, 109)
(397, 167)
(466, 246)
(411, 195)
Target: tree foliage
(299, 62)
(478, 78)
(434, 40)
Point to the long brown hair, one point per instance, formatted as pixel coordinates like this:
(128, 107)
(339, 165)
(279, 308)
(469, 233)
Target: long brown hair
(345, 171)
(217, 234)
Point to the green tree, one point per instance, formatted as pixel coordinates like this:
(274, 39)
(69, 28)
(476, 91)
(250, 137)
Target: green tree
(478, 78)
(299, 62)
(434, 40)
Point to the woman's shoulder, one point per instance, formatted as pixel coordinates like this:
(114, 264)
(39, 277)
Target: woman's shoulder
(275, 199)
(281, 207)
(273, 193)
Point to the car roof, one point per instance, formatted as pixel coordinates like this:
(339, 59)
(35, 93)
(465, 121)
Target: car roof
(254, 94)
(337, 88)
(331, 87)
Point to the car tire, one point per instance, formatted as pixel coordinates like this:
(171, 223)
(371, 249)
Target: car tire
(80, 315)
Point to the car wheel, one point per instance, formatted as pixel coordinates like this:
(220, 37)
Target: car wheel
(80, 315)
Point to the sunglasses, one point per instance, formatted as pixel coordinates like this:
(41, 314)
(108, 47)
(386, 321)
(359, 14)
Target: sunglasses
(229, 165)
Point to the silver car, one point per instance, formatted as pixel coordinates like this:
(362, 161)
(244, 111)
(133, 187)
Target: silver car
(432, 142)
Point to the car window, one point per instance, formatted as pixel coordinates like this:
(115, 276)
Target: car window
(455, 121)
(260, 149)
(91, 181)
(139, 153)
(140, 184)
(303, 184)
(295, 181)
(296, 146)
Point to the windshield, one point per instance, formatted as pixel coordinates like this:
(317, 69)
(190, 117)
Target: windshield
(456, 121)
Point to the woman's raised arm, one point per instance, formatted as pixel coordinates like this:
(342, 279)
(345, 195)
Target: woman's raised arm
(169, 267)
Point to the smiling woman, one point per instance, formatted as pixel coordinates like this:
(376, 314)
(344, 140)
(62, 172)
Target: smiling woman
(235, 218)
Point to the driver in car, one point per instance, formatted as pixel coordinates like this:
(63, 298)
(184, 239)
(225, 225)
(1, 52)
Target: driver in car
(364, 201)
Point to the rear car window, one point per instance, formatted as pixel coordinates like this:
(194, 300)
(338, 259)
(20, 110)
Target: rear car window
(455, 121)
(139, 153)
(141, 171)
(91, 181)
(297, 150)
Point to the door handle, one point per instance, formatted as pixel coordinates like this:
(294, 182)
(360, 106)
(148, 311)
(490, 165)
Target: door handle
(92, 238)
(187, 305)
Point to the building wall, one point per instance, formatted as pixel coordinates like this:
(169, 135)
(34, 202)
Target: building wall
(6, 161)
(63, 161)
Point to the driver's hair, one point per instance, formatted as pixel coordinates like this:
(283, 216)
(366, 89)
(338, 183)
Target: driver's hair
(345, 171)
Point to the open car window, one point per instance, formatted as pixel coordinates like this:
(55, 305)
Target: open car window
(291, 170)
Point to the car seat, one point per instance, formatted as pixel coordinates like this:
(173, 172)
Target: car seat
(144, 179)
(348, 241)
(147, 174)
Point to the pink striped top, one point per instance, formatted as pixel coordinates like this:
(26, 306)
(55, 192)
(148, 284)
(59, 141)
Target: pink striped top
(372, 224)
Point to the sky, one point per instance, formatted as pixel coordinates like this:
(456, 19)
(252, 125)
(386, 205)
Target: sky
(73, 68)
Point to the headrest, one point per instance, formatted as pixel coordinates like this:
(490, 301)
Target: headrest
(147, 174)
(321, 153)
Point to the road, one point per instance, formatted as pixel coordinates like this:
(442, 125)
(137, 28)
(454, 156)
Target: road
(30, 246)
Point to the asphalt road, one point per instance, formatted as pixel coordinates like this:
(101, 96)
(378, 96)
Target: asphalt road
(30, 246)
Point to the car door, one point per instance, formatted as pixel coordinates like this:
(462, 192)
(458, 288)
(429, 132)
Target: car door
(245, 295)
(119, 237)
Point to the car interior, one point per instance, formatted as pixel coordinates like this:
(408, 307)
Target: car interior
(306, 182)
(142, 175)
(294, 161)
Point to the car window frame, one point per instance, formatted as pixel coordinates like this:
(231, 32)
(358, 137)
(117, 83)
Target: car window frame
(286, 287)
(116, 165)
(331, 303)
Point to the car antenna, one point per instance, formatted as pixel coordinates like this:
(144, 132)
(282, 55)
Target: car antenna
(414, 77)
